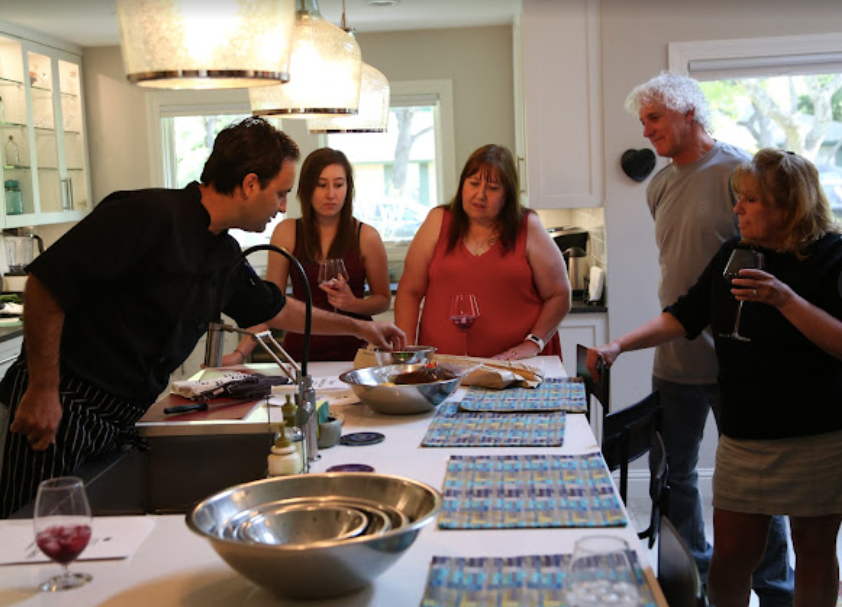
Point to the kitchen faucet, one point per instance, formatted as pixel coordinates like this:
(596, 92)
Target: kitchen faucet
(306, 395)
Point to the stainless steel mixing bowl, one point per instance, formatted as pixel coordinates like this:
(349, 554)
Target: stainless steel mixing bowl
(374, 387)
(411, 355)
(327, 568)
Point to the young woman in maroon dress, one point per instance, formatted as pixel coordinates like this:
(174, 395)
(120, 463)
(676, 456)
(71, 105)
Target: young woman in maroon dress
(327, 229)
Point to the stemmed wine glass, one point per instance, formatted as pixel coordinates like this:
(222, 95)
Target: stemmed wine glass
(740, 259)
(332, 270)
(63, 528)
(464, 312)
(600, 574)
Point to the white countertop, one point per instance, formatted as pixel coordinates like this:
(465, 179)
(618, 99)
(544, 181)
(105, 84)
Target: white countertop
(176, 567)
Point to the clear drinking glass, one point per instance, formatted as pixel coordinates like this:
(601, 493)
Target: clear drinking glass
(740, 259)
(601, 574)
(63, 528)
(464, 312)
(331, 271)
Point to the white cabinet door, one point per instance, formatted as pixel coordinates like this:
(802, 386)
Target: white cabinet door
(43, 134)
(9, 351)
(562, 87)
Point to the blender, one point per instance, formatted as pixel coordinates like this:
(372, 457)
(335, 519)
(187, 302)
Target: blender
(20, 251)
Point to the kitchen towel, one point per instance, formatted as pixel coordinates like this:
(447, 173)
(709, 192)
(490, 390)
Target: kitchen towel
(554, 394)
(524, 581)
(527, 491)
(452, 428)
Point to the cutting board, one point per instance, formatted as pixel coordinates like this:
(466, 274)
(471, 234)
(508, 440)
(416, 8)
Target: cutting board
(220, 409)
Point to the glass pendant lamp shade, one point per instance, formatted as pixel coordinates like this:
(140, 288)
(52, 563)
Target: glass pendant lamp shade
(202, 44)
(373, 112)
(325, 65)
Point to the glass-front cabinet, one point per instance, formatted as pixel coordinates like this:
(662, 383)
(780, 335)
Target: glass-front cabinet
(44, 156)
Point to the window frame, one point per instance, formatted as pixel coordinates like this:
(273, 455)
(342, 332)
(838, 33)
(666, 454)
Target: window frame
(755, 54)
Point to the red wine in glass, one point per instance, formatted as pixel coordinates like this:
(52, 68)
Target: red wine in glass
(464, 312)
(741, 259)
(63, 528)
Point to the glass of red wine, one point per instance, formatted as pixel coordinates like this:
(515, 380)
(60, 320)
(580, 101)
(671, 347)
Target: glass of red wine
(464, 312)
(740, 259)
(63, 528)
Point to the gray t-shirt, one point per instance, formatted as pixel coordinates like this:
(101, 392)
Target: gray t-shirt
(693, 210)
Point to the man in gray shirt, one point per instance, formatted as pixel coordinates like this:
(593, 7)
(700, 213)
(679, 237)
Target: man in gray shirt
(692, 204)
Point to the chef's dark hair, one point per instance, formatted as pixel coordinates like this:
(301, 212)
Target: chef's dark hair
(249, 146)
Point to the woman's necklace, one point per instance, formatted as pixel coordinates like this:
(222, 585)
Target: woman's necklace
(481, 247)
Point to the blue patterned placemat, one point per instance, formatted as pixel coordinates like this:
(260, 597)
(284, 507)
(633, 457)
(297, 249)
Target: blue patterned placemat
(452, 428)
(518, 581)
(518, 491)
(554, 394)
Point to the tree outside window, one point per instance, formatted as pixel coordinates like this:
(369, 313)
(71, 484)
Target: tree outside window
(800, 113)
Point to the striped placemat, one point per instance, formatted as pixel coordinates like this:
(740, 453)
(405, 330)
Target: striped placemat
(525, 491)
(452, 428)
(521, 581)
(554, 394)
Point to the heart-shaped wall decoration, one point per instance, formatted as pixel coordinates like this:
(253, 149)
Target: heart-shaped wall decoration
(637, 164)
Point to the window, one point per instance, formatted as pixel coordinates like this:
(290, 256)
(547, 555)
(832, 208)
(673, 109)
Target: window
(401, 174)
(775, 92)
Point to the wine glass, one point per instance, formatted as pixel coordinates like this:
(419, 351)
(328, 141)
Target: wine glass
(332, 270)
(740, 259)
(464, 312)
(600, 574)
(63, 528)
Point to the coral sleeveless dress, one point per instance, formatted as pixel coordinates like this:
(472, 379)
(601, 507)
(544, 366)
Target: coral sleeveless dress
(326, 347)
(508, 301)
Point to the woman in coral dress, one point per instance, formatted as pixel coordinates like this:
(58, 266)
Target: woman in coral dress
(487, 244)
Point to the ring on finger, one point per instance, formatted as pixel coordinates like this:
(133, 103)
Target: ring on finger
(755, 292)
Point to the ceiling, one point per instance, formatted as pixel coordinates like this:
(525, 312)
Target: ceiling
(94, 23)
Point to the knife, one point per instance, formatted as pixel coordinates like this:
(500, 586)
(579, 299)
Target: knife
(203, 406)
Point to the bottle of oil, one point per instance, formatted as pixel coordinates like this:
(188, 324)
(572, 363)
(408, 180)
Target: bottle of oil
(294, 433)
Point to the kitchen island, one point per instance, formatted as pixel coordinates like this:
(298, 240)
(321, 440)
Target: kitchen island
(175, 567)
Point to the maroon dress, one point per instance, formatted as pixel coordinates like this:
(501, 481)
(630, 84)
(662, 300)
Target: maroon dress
(326, 347)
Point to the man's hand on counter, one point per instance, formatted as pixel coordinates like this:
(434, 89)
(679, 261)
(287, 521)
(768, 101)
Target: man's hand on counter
(37, 418)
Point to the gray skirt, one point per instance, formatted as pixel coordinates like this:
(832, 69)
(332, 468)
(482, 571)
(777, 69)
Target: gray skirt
(793, 476)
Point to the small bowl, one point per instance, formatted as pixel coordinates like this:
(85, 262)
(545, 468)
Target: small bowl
(304, 524)
(323, 569)
(374, 387)
(412, 355)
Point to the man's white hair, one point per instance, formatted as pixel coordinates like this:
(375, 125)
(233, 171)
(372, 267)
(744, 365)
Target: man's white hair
(674, 91)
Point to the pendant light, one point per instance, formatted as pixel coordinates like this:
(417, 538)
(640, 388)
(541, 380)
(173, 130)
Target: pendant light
(196, 44)
(373, 111)
(325, 65)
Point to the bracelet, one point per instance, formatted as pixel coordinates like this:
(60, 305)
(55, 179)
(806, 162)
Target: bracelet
(243, 354)
(535, 340)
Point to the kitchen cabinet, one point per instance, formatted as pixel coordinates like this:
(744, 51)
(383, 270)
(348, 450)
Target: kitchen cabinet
(558, 72)
(42, 130)
(588, 329)
(9, 351)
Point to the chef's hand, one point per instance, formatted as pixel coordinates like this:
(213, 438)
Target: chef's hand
(383, 334)
(602, 358)
(339, 294)
(37, 418)
(761, 287)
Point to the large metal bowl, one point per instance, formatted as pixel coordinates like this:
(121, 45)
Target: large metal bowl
(326, 568)
(411, 355)
(374, 387)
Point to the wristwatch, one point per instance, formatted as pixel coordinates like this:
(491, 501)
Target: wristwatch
(536, 340)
